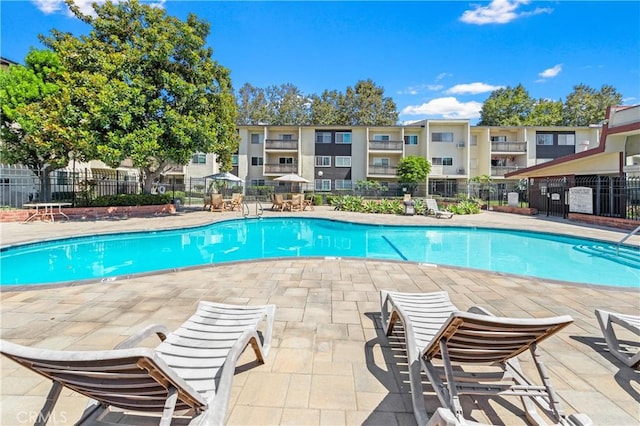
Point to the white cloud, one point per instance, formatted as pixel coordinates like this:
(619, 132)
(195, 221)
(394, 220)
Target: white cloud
(85, 6)
(448, 107)
(551, 72)
(434, 87)
(499, 12)
(442, 75)
(472, 88)
(49, 6)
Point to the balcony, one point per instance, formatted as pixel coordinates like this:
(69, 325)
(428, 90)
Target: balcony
(447, 171)
(385, 145)
(501, 170)
(281, 144)
(280, 169)
(382, 170)
(509, 146)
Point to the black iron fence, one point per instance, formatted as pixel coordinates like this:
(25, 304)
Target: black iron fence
(611, 196)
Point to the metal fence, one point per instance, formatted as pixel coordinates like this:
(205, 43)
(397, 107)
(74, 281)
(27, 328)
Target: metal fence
(611, 196)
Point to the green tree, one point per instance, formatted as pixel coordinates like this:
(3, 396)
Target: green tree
(366, 105)
(33, 99)
(507, 107)
(325, 109)
(147, 89)
(586, 105)
(287, 105)
(412, 170)
(252, 105)
(545, 113)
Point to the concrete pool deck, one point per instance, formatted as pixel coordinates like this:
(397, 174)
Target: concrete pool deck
(330, 363)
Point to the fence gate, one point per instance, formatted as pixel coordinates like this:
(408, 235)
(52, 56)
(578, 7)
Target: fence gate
(549, 196)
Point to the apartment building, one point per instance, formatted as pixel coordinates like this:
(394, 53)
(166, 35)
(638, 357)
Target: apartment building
(334, 158)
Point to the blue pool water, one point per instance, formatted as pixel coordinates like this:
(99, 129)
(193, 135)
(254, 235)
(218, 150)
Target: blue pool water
(517, 252)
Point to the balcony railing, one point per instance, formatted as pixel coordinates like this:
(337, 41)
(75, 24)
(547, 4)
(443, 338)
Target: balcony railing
(281, 168)
(382, 170)
(515, 146)
(385, 145)
(281, 144)
(501, 170)
(447, 170)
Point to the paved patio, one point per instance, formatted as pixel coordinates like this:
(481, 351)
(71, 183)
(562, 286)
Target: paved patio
(330, 363)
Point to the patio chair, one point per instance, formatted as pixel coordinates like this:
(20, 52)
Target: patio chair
(191, 370)
(278, 202)
(297, 202)
(236, 202)
(444, 342)
(606, 320)
(432, 206)
(217, 203)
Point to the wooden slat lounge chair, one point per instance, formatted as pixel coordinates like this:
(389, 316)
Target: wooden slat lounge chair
(442, 341)
(297, 202)
(217, 203)
(192, 369)
(278, 203)
(606, 320)
(432, 207)
(236, 202)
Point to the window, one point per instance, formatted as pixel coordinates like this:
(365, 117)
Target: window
(380, 137)
(255, 138)
(323, 137)
(442, 136)
(343, 184)
(474, 140)
(380, 161)
(285, 160)
(63, 177)
(199, 158)
(498, 138)
(234, 160)
(566, 139)
(343, 161)
(442, 161)
(343, 137)
(544, 139)
(323, 184)
(257, 182)
(323, 161)
(257, 161)
(411, 140)
(286, 137)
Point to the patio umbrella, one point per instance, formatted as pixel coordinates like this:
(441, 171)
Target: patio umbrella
(292, 178)
(226, 177)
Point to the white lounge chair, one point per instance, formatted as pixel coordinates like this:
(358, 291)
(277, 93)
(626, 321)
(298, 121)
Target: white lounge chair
(606, 320)
(192, 369)
(432, 206)
(442, 341)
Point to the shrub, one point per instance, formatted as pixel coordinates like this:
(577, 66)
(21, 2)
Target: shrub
(132, 200)
(317, 200)
(468, 206)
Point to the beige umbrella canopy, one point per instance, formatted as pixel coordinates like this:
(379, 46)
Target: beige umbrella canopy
(292, 178)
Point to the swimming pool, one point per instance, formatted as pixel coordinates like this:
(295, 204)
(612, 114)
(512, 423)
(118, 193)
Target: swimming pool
(105, 257)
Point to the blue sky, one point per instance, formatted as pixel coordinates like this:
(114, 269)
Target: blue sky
(435, 59)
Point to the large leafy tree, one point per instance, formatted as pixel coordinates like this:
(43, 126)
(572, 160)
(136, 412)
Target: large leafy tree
(509, 106)
(287, 105)
(34, 109)
(412, 170)
(325, 108)
(252, 105)
(545, 112)
(365, 105)
(146, 88)
(586, 105)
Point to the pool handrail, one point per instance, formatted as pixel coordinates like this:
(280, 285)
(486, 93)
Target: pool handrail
(625, 238)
